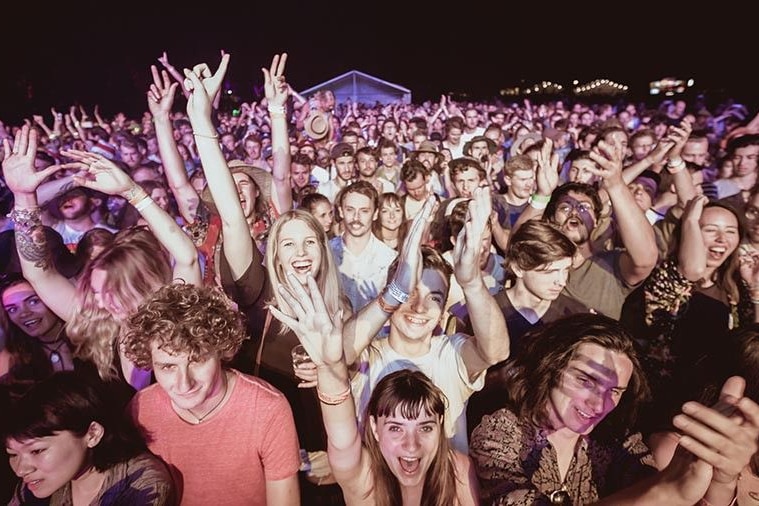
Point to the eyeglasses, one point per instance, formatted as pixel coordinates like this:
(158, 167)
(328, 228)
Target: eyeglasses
(751, 213)
(582, 207)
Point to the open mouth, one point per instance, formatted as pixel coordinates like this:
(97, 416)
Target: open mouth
(409, 466)
(717, 252)
(32, 323)
(302, 267)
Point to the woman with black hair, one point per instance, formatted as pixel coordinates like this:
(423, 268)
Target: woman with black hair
(67, 441)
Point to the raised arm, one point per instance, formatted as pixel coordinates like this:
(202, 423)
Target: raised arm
(692, 253)
(637, 234)
(164, 60)
(655, 157)
(546, 180)
(676, 165)
(364, 325)
(105, 176)
(34, 255)
(276, 90)
(203, 85)
(490, 342)
(321, 335)
(160, 101)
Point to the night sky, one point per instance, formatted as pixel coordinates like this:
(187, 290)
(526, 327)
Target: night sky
(94, 52)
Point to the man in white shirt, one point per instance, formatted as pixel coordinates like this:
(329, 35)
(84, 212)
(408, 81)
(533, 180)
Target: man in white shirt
(361, 258)
(344, 161)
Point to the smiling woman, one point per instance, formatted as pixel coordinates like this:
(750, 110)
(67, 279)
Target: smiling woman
(68, 443)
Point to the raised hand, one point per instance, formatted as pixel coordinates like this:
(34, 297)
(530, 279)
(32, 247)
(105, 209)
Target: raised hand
(161, 93)
(678, 135)
(609, 159)
(98, 173)
(18, 163)
(410, 259)
(318, 331)
(203, 86)
(211, 81)
(726, 440)
(547, 173)
(693, 209)
(276, 89)
(466, 251)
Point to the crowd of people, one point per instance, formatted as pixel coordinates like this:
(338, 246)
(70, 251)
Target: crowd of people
(323, 303)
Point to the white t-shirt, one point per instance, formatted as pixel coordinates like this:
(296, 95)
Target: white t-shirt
(362, 276)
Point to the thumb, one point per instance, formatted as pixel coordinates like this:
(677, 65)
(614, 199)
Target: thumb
(734, 386)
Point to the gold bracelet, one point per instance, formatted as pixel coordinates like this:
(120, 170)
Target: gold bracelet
(203, 136)
(333, 400)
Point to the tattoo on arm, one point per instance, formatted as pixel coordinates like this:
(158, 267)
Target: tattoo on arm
(31, 241)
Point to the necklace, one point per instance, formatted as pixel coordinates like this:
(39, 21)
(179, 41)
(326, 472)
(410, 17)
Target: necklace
(201, 418)
(53, 352)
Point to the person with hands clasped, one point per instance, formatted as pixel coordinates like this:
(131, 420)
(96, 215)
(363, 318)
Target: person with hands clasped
(413, 303)
(401, 456)
(599, 279)
(115, 283)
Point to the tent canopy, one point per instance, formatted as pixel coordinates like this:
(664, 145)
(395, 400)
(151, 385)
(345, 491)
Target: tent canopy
(362, 88)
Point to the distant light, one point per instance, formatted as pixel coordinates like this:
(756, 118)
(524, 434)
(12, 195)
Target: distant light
(575, 82)
(691, 82)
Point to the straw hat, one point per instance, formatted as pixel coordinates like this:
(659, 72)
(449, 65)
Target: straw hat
(316, 125)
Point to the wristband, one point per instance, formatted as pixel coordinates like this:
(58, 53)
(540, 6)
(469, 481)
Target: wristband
(142, 204)
(395, 292)
(134, 194)
(385, 307)
(276, 109)
(673, 167)
(539, 201)
(333, 400)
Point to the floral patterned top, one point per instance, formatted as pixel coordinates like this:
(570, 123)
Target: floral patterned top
(683, 321)
(516, 464)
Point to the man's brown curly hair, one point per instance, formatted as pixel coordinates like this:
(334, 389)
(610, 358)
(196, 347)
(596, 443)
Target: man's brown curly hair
(183, 318)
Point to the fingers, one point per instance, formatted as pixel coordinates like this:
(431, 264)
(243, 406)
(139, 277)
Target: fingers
(283, 318)
(222, 70)
(316, 296)
(280, 68)
(734, 386)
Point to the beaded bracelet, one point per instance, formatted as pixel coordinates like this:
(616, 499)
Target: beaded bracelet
(333, 400)
(385, 307)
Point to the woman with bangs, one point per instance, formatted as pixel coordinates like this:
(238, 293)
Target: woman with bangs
(403, 456)
(112, 285)
(70, 443)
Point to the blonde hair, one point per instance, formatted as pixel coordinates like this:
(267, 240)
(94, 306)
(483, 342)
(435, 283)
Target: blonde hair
(326, 277)
(137, 266)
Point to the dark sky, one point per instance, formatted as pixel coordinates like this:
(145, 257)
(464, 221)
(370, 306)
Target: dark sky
(92, 52)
